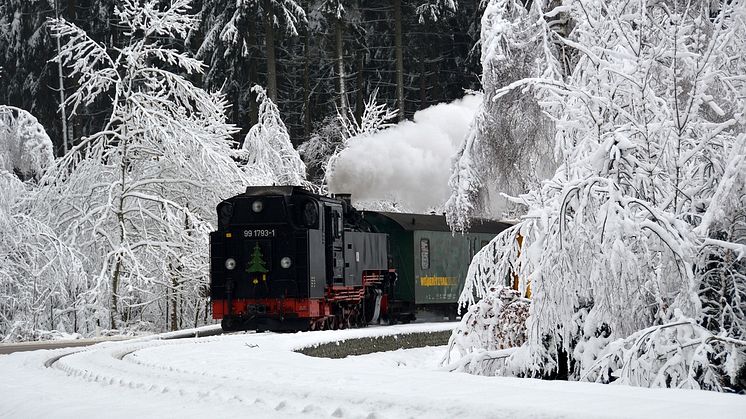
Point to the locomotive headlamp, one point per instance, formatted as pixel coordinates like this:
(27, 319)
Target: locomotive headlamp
(225, 212)
(230, 264)
(286, 262)
(257, 206)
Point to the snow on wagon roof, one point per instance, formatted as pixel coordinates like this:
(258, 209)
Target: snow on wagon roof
(433, 222)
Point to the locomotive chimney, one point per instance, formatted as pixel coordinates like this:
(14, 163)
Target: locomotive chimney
(344, 197)
(346, 202)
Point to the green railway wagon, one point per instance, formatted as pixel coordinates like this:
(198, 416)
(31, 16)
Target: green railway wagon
(430, 260)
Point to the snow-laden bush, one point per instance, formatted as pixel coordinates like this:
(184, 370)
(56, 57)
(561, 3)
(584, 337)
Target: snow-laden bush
(25, 147)
(642, 223)
(499, 320)
(42, 280)
(680, 354)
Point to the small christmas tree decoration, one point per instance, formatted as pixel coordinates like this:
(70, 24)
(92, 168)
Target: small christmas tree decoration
(257, 265)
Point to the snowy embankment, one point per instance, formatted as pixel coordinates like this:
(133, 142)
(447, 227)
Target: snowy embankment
(260, 375)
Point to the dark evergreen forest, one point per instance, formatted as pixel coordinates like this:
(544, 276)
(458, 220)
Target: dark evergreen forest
(314, 57)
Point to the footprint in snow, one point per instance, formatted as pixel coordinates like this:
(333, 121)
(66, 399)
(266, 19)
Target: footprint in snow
(309, 408)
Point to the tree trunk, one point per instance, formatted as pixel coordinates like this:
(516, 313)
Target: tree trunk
(360, 99)
(341, 68)
(113, 309)
(423, 84)
(307, 86)
(174, 302)
(269, 31)
(74, 123)
(63, 113)
(399, 60)
(253, 75)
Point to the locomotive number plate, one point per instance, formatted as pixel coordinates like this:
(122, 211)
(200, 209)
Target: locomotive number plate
(262, 233)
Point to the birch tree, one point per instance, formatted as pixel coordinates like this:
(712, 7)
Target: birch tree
(138, 196)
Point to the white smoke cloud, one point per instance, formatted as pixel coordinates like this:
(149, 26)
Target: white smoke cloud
(408, 163)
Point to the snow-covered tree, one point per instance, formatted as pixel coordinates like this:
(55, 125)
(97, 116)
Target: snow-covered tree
(269, 155)
(317, 150)
(276, 16)
(375, 117)
(432, 10)
(509, 147)
(42, 281)
(620, 248)
(322, 149)
(25, 148)
(137, 197)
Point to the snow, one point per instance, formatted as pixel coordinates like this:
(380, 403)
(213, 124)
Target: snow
(259, 375)
(24, 145)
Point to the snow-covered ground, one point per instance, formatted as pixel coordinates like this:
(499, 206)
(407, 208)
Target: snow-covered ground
(259, 375)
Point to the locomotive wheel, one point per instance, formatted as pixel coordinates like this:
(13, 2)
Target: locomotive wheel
(227, 324)
(360, 318)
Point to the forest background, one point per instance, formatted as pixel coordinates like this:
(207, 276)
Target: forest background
(315, 57)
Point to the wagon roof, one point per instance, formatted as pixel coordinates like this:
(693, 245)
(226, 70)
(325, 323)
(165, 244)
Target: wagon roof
(274, 190)
(432, 222)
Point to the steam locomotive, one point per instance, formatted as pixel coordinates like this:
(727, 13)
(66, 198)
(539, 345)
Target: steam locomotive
(286, 259)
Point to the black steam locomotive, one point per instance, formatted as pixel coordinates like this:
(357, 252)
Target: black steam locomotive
(285, 259)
